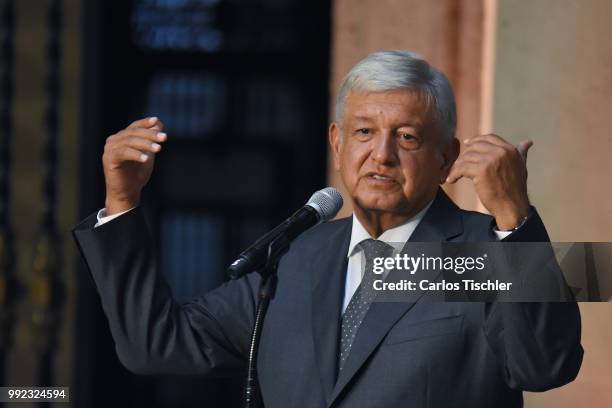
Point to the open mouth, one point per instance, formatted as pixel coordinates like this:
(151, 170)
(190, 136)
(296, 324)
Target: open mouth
(380, 179)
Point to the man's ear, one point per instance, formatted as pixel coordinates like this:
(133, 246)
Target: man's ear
(335, 141)
(449, 155)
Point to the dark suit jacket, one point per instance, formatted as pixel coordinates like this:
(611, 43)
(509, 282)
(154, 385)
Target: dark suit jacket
(418, 354)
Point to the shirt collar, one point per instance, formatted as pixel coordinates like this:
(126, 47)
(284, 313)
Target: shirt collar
(399, 234)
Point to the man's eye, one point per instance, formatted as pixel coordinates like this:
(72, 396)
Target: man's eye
(409, 141)
(363, 131)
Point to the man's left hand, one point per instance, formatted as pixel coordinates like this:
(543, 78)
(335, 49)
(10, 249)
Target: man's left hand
(499, 172)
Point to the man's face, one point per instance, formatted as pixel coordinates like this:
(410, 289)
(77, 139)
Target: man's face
(388, 153)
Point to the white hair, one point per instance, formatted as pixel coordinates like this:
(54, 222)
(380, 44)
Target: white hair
(397, 69)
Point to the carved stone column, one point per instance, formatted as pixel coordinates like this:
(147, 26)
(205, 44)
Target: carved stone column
(46, 286)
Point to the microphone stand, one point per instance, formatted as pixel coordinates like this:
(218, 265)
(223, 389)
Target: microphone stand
(252, 393)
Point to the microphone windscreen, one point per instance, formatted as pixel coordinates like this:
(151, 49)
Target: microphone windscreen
(326, 202)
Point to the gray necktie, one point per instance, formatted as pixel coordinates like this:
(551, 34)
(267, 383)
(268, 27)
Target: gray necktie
(361, 300)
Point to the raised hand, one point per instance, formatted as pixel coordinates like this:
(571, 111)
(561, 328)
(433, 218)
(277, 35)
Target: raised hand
(499, 172)
(128, 161)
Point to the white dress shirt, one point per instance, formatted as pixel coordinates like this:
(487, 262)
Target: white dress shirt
(395, 235)
(103, 218)
(399, 234)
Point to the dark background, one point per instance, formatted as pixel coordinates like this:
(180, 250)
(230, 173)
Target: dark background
(242, 88)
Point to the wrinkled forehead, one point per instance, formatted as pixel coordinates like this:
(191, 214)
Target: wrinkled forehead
(389, 107)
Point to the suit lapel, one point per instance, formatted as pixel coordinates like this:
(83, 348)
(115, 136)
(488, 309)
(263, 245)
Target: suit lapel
(441, 222)
(329, 274)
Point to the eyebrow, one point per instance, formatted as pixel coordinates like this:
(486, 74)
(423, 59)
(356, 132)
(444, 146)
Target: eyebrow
(405, 124)
(363, 118)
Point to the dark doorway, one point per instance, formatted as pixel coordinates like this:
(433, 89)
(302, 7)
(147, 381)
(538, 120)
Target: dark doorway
(242, 87)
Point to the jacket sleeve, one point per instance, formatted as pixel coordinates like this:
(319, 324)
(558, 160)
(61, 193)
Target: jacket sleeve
(152, 333)
(537, 344)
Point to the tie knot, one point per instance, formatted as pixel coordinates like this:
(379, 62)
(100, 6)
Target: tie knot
(373, 248)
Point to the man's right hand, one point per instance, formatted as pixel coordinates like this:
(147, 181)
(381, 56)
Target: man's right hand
(128, 162)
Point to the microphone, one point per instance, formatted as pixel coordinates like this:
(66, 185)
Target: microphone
(322, 206)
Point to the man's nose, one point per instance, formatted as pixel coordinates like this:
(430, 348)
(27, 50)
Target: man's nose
(384, 149)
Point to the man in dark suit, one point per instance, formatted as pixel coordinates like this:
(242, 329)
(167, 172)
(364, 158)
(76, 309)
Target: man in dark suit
(324, 342)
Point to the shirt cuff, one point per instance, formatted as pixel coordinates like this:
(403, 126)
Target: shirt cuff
(501, 234)
(103, 218)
